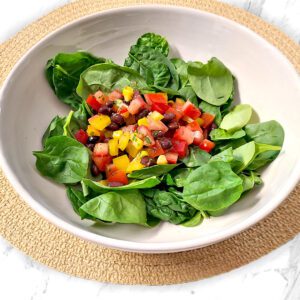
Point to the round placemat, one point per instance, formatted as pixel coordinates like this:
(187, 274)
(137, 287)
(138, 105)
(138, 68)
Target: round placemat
(49, 245)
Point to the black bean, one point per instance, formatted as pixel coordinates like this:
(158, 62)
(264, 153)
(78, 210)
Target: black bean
(117, 118)
(147, 161)
(173, 125)
(112, 126)
(165, 143)
(93, 139)
(90, 146)
(94, 170)
(143, 113)
(115, 183)
(157, 134)
(213, 126)
(110, 104)
(105, 110)
(168, 117)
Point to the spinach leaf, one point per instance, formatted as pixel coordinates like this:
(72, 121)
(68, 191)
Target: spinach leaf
(270, 133)
(221, 134)
(178, 176)
(55, 128)
(121, 207)
(156, 170)
(212, 187)
(100, 188)
(212, 82)
(155, 42)
(237, 118)
(106, 77)
(226, 144)
(250, 179)
(213, 110)
(226, 156)
(181, 68)
(64, 160)
(243, 155)
(77, 199)
(188, 93)
(194, 221)
(167, 206)
(196, 157)
(63, 71)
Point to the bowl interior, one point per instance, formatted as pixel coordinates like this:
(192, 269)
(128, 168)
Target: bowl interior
(265, 79)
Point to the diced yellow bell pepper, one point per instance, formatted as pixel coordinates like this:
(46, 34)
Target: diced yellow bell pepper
(103, 182)
(117, 134)
(143, 122)
(100, 121)
(156, 116)
(113, 147)
(143, 153)
(162, 160)
(135, 165)
(200, 121)
(92, 131)
(123, 140)
(136, 141)
(121, 162)
(131, 149)
(128, 93)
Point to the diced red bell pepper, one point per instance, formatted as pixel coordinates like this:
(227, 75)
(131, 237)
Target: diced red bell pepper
(190, 110)
(155, 150)
(100, 149)
(177, 113)
(118, 176)
(184, 134)
(194, 126)
(152, 98)
(115, 95)
(172, 157)
(81, 136)
(207, 145)
(207, 119)
(146, 135)
(136, 105)
(93, 103)
(198, 137)
(180, 147)
(102, 161)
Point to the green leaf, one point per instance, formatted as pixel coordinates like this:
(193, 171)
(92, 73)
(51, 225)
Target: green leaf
(237, 118)
(63, 71)
(213, 110)
(181, 68)
(179, 176)
(64, 160)
(136, 184)
(243, 156)
(226, 144)
(226, 156)
(194, 221)
(121, 207)
(212, 82)
(188, 93)
(77, 199)
(107, 77)
(155, 42)
(156, 170)
(196, 157)
(55, 128)
(221, 134)
(250, 179)
(212, 187)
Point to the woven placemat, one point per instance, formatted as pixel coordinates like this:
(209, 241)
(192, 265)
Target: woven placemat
(44, 242)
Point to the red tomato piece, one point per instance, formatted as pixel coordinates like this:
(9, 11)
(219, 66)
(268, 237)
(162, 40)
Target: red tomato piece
(110, 169)
(190, 110)
(194, 126)
(184, 134)
(207, 145)
(81, 136)
(146, 135)
(152, 98)
(180, 147)
(198, 137)
(101, 97)
(129, 128)
(118, 176)
(136, 105)
(177, 113)
(156, 125)
(93, 103)
(160, 107)
(156, 150)
(100, 149)
(207, 119)
(102, 161)
(115, 95)
(172, 157)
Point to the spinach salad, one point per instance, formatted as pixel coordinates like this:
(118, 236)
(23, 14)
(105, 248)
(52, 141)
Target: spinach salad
(156, 139)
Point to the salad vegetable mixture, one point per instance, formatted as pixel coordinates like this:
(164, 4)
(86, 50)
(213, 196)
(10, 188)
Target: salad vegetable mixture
(154, 140)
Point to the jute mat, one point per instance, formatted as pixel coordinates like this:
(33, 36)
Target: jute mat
(51, 246)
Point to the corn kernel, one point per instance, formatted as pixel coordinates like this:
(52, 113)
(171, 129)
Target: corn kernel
(143, 122)
(123, 141)
(200, 121)
(92, 131)
(179, 101)
(113, 147)
(143, 153)
(156, 116)
(100, 121)
(128, 93)
(121, 162)
(103, 182)
(117, 134)
(162, 160)
(171, 102)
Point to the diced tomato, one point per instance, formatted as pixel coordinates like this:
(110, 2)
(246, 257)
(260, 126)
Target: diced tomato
(115, 95)
(156, 125)
(100, 149)
(207, 145)
(172, 157)
(93, 103)
(194, 126)
(102, 161)
(146, 135)
(118, 176)
(207, 119)
(160, 107)
(198, 137)
(156, 98)
(110, 169)
(180, 147)
(81, 136)
(155, 150)
(101, 97)
(184, 134)
(129, 128)
(178, 114)
(136, 105)
(190, 110)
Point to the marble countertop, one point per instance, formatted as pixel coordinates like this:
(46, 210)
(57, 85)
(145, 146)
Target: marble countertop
(275, 276)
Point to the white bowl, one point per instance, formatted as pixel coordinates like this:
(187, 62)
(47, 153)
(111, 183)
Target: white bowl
(266, 80)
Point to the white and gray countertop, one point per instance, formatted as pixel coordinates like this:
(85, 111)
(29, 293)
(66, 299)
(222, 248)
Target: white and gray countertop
(275, 276)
